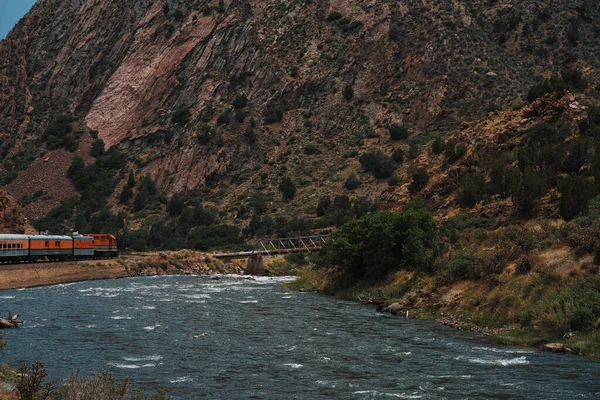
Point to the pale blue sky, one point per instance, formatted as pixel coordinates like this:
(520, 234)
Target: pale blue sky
(11, 11)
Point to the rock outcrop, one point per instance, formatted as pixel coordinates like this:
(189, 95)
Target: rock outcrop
(12, 219)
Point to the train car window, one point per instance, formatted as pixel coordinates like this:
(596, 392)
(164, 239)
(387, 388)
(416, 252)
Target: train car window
(57, 244)
(47, 243)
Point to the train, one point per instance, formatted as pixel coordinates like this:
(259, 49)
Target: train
(31, 248)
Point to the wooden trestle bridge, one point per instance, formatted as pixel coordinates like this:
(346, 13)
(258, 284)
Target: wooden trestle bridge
(280, 246)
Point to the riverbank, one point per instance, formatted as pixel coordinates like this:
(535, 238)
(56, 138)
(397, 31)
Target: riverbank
(515, 309)
(183, 262)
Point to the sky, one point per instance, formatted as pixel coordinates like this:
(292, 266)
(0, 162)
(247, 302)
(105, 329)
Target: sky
(11, 11)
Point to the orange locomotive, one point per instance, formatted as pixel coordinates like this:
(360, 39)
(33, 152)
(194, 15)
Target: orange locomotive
(30, 248)
(105, 245)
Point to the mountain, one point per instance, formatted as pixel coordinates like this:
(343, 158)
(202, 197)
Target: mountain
(219, 101)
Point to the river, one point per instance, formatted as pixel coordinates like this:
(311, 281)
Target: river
(229, 338)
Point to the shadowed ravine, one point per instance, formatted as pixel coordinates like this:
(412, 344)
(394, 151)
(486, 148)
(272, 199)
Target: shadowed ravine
(229, 338)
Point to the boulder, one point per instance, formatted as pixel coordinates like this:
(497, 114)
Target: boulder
(554, 347)
(394, 309)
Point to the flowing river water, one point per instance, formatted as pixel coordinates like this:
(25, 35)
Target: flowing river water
(229, 338)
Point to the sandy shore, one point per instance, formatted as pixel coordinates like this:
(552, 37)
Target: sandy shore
(52, 273)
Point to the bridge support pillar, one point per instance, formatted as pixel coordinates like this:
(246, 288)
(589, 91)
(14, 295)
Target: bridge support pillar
(256, 265)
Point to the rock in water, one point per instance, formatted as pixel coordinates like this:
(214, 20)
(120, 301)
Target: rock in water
(554, 347)
(394, 309)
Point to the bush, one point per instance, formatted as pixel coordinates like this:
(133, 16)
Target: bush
(126, 195)
(529, 187)
(334, 16)
(97, 148)
(131, 180)
(379, 164)
(311, 149)
(525, 264)
(471, 190)
(249, 135)
(29, 386)
(176, 205)
(575, 308)
(420, 180)
(323, 206)
(59, 134)
(240, 101)
(352, 182)
(398, 132)
(554, 84)
(139, 203)
(273, 113)
(438, 146)
(224, 118)
(348, 92)
(580, 152)
(376, 244)
(454, 151)
(575, 192)
(393, 180)
(288, 188)
(204, 238)
(398, 156)
(181, 116)
(502, 179)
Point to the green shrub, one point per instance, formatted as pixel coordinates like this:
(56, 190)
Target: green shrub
(352, 182)
(554, 84)
(529, 187)
(273, 113)
(398, 132)
(311, 148)
(348, 92)
(394, 180)
(204, 238)
(240, 101)
(376, 244)
(224, 118)
(378, 163)
(323, 206)
(575, 192)
(334, 16)
(181, 116)
(438, 146)
(454, 151)
(471, 190)
(398, 156)
(131, 180)
(288, 188)
(176, 205)
(420, 180)
(97, 148)
(575, 308)
(59, 134)
(126, 195)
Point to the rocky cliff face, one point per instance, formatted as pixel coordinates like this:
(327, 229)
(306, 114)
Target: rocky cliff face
(159, 79)
(11, 215)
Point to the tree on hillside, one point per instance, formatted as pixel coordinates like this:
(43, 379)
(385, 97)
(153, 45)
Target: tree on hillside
(126, 195)
(288, 188)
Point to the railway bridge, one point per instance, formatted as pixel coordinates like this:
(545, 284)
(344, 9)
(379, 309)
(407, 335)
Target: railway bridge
(276, 247)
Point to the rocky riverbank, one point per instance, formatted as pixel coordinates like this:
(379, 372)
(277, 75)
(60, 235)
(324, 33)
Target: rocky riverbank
(184, 262)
